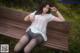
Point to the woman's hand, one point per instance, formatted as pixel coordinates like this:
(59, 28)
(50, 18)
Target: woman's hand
(54, 9)
(26, 18)
(59, 15)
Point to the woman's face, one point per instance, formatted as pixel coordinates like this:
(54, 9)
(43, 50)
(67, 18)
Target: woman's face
(46, 9)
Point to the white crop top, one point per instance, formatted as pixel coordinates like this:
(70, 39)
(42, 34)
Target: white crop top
(39, 24)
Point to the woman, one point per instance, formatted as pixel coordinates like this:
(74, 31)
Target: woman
(36, 32)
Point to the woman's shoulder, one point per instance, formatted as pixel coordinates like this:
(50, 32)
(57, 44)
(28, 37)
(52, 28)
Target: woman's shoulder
(34, 11)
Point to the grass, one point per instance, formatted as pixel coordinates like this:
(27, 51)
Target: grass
(70, 14)
(73, 16)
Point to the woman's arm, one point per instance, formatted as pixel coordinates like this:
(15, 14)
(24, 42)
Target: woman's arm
(59, 16)
(30, 17)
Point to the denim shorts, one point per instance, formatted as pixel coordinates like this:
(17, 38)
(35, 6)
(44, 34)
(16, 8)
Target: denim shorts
(37, 36)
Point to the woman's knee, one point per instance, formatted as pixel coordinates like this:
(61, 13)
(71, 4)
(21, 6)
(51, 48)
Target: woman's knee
(30, 46)
(22, 42)
(26, 51)
(18, 47)
(16, 50)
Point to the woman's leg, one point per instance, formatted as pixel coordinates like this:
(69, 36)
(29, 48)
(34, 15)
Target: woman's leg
(30, 46)
(22, 42)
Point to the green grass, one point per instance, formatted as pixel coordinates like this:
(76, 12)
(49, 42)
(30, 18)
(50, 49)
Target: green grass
(73, 16)
(8, 40)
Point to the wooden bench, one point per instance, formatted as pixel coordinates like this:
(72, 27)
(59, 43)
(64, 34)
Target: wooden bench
(12, 24)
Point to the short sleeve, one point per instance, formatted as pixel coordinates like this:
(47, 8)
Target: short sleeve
(32, 14)
(51, 17)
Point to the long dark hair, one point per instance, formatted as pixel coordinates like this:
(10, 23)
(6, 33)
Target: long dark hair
(40, 8)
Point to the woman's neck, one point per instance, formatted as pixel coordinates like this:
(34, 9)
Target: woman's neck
(43, 13)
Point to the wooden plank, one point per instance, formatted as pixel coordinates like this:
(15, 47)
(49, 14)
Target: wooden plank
(59, 26)
(13, 25)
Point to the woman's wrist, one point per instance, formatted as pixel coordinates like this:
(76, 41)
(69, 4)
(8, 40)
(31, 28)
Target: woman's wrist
(55, 12)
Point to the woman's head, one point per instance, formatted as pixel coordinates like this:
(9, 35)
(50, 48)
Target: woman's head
(44, 8)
